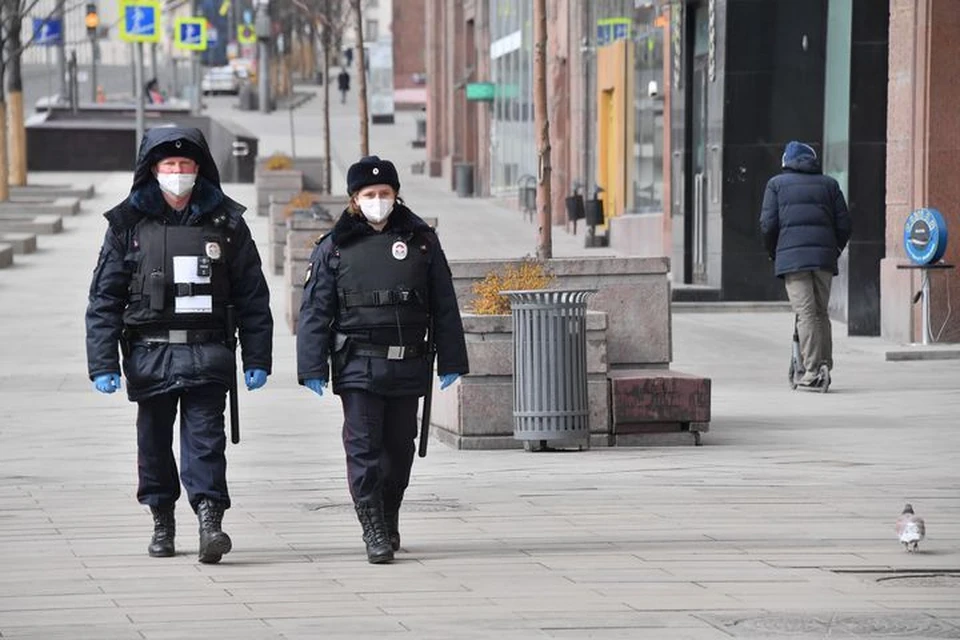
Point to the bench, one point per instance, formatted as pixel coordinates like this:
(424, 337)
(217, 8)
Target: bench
(658, 407)
(22, 243)
(6, 255)
(39, 224)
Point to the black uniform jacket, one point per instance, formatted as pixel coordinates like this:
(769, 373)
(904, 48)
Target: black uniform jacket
(160, 368)
(317, 325)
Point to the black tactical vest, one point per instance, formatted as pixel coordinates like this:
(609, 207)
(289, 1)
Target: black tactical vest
(180, 279)
(383, 284)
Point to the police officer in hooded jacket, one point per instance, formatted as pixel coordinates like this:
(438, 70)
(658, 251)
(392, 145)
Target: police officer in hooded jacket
(375, 284)
(176, 253)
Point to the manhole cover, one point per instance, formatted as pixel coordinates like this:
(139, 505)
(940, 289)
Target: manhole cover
(417, 506)
(838, 625)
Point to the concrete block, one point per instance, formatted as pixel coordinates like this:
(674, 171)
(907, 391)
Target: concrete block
(6, 255)
(293, 296)
(38, 224)
(481, 410)
(633, 292)
(53, 191)
(645, 400)
(22, 243)
(490, 343)
(28, 205)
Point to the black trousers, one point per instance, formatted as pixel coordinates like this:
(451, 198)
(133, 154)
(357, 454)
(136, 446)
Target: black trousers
(378, 439)
(203, 441)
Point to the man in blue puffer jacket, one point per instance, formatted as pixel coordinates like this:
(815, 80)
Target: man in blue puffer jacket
(805, 226)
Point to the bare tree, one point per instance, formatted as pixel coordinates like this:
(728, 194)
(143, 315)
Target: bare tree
(542, 125)
(12, 130)
(362, 84)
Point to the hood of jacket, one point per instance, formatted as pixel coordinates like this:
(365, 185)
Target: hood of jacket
(163, 142)
(145, 197)
(350, 227)
(801, 157)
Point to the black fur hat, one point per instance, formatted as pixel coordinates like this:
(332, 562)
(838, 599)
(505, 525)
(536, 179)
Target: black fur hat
(371, 170)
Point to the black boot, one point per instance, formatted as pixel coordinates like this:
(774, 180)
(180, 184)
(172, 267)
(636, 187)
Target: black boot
(370, 514)
(164, 529)
(391, 515)
(214, 543)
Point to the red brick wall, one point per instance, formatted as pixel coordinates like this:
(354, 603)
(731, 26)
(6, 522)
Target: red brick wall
(409, 36)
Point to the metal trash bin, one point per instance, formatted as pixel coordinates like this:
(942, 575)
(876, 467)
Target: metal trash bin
(463, 179)
(550, 403)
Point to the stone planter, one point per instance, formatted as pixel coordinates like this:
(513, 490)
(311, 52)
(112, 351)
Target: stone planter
(280, 184)
(633, 292)
(332, 206)
(301, 236)
(477, 412)
(311, 167)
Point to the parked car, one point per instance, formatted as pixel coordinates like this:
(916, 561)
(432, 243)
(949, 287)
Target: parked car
(221, 80)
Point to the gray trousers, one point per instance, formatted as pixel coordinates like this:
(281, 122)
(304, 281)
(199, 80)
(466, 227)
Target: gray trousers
(809, 293)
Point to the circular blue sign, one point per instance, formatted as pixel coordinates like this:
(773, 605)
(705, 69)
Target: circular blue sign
(925, 236)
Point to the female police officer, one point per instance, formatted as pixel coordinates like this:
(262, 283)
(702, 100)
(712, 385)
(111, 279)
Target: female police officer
(375, 284)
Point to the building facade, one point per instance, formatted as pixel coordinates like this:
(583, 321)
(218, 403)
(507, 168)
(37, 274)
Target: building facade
(675, 114)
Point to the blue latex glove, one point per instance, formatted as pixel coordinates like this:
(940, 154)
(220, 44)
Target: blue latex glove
(255, 378)
(448, 379)
(107, 382)
(316, 385)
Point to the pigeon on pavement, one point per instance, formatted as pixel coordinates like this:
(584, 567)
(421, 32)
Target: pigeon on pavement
(910, 528)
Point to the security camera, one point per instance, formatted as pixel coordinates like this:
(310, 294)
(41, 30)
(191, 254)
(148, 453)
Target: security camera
(652, 89)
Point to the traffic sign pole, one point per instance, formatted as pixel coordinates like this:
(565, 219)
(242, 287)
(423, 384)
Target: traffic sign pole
(61, 51)
(138, 70)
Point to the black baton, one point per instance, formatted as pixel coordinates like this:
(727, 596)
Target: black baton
(234, 403)
(428, 398)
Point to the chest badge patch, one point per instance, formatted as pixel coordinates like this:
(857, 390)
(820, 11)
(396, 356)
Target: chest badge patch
(400, 250)
(212, 249)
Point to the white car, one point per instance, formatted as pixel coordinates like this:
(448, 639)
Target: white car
(220, 80)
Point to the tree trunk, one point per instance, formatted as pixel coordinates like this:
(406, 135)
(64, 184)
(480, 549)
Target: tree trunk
(4, 172)
(16, 125)
(542, 126)
(362, 84)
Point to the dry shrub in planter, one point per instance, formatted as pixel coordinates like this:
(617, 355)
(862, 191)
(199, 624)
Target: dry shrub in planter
(278, 162)
(530, 274)
(302, 200)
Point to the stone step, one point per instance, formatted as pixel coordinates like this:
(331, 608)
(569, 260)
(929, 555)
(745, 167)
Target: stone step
(30, 205)
(6, 255)
(53, 191)
(38, 224)
(658, 407)
(22, 243)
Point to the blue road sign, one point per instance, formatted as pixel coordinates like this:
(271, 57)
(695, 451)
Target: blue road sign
(47, 32)
(141, 21)
(190, 33)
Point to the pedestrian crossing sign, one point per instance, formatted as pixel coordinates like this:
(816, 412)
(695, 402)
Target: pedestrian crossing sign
(190, 34)
(246, 34)
(140, 20)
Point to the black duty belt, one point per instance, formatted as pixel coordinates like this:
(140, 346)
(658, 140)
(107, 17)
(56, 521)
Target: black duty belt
(390, 352)
(380, 298)
(179, 336)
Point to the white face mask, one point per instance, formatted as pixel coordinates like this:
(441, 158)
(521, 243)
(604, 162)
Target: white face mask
(376, 210)
(177, 184)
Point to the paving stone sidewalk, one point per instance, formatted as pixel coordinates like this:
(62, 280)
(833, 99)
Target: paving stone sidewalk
(781, 525)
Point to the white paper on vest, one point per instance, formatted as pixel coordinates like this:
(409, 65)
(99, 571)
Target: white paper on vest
(184, 272)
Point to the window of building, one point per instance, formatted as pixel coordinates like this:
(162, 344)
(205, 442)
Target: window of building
(512, 147)
(648, 111)
(371, 31)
